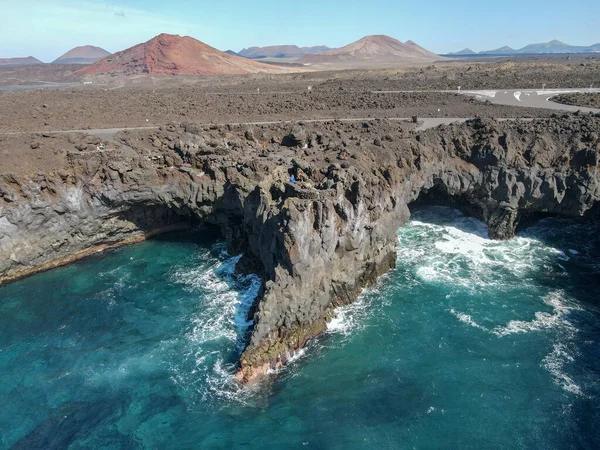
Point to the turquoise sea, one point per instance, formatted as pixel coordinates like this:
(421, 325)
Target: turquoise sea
(467, 344)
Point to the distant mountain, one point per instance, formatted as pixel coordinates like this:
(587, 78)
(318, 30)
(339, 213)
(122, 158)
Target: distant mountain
(231, 52)
(419, 51)
(173, 55)
(13, 62)
(466, 51)
(558, 47)
(499, 51)
(372, 51)
(535, 49)
(281, 51)
(86, 54)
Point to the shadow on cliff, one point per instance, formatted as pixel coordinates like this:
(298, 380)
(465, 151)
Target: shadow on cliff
(155, 219)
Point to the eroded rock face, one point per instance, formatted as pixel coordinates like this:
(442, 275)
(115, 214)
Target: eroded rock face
(318, 241)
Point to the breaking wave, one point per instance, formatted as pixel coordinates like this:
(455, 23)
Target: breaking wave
(219, 328)
(456, 255)
(442, 248)
(349, 319)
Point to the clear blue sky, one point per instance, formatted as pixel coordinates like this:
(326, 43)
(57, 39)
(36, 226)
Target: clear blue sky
(47, 28)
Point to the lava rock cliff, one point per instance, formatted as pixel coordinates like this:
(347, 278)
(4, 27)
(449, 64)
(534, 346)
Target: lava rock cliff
(317, 241)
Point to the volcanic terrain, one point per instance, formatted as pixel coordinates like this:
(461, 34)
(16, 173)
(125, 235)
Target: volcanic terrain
(118, 160)
(13, 62)
(85, 54)
(281, 51)
(168, 54)
(376, 50)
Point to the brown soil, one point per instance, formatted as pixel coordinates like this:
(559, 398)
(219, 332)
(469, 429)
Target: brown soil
(130, 107)
(590, 100)
(155, 100)
(36, 75)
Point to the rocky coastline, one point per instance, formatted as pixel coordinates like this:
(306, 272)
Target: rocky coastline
(317, 241)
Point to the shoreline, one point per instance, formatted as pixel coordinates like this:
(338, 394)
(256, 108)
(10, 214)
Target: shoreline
(318, 240)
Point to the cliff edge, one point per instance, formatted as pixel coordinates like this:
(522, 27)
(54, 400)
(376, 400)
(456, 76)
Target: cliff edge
(316, 241)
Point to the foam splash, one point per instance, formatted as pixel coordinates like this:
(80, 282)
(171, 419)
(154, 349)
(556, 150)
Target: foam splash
(563, 349)
(458, 255)
(543, 320)
(225, 315)
(218, 329)
(348, 319)
(555, 363)
(467, 319)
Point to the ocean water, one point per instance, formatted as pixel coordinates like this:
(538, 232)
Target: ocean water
(468, 343)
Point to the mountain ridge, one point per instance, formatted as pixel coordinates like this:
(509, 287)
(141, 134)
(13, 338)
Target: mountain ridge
(84, 54)
(552, 47)
(281, 51)
(168, 54)
(373, 49)
(24, 61)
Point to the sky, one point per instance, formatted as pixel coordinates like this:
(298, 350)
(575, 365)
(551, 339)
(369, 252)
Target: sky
(46, 29)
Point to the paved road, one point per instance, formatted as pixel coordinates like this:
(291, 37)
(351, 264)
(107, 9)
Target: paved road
(104, 133)
(529, 98)
(532, 98)
(511, 97)
(109, 133)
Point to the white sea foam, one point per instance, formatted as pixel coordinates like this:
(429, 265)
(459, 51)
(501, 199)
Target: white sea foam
(340, 323)
(555, 364)
(347, 318)
(558, 318)
(222, 316)
(291, 358)
(459, 256)
(466, 318)
(543, 320)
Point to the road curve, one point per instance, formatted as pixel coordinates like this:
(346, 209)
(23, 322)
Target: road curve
(527, 98)
(533, 98)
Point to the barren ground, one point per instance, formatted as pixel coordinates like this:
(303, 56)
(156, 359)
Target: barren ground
(158, 100)
(591, 100)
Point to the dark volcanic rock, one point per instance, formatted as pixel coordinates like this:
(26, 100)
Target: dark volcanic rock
(317, 242)
(591, 99)
(296, 137)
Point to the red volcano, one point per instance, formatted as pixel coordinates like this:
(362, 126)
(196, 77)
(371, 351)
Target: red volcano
(372, 51)
(175, 55)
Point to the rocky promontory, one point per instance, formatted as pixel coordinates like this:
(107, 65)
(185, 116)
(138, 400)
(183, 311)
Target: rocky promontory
(315, 208)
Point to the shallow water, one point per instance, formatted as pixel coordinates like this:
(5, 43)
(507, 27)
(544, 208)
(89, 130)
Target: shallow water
(469, 343)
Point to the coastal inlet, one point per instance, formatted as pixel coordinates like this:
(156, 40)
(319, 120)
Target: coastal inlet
(137, 347)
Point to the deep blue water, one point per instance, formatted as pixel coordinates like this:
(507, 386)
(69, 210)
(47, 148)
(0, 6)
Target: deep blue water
(469, 343)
